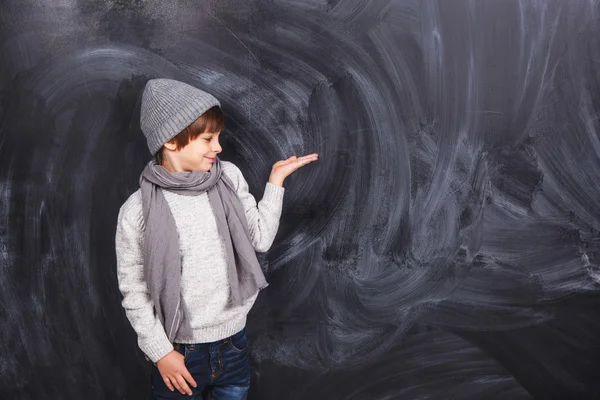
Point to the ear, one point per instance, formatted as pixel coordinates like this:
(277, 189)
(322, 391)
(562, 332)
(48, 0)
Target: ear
(171, 145)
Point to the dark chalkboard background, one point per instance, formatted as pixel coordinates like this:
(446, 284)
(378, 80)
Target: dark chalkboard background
(445, 246)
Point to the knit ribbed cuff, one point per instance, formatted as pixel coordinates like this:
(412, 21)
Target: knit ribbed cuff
(156, 347)
(273, 193)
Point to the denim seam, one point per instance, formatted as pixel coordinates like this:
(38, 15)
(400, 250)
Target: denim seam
(220, 370)
(235, 349)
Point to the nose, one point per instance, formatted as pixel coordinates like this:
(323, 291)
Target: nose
(217, 147)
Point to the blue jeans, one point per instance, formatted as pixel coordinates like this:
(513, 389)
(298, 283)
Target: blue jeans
(221, 369)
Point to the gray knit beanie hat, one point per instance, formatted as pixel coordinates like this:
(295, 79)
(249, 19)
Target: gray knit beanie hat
(170, 106)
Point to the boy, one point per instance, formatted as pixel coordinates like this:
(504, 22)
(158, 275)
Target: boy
(185, 246)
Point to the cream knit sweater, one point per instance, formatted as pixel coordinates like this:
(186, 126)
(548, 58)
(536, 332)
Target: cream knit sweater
(204, 282)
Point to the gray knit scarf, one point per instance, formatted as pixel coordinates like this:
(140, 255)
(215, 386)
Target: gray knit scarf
(162, 259)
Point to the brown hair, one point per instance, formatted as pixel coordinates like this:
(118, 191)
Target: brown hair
(212, 121)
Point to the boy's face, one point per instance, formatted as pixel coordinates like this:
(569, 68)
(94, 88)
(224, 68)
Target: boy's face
(198, 155)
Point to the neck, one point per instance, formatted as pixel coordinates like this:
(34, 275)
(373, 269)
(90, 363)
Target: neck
(171, 167)
(175, 167)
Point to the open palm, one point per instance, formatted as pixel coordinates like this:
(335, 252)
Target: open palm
(282, 169)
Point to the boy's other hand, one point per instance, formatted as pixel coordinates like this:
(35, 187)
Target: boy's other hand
(174, 373)
(282, 169)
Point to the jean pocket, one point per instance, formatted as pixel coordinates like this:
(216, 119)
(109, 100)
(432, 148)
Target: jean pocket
(182, 349)
(238, 342)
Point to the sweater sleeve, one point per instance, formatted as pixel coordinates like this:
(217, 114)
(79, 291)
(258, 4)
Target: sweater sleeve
(263, 218)
(138, 305)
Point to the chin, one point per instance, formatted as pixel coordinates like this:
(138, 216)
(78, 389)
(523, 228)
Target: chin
(197, 167)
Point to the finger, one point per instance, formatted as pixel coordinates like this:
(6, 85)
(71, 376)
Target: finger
(185, 389)
(309, 157)
(295, 162)
(294, 158)
(188, 377)
(304, 161)
(176, 384)
(168, 383)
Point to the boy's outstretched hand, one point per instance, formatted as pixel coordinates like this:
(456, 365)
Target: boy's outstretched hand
(282, 169)
(174, 373)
